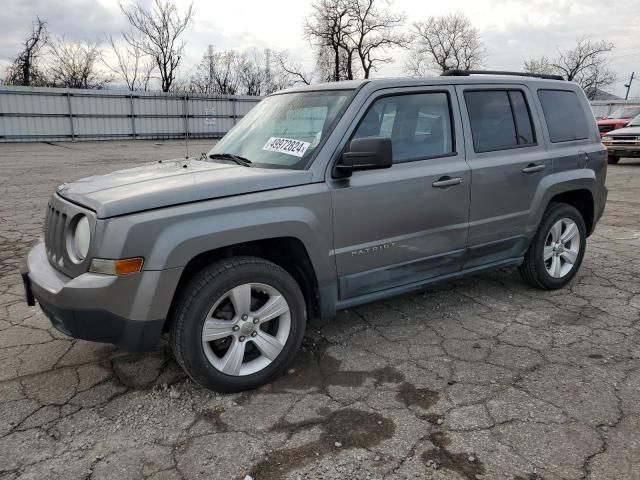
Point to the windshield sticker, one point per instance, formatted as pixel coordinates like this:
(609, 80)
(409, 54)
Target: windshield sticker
(287, 146)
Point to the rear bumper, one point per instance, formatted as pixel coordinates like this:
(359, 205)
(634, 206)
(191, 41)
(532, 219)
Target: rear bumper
(127, 311)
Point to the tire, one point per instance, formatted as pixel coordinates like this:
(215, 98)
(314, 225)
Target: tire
(217, 296)
(612, 159)
(547, 265)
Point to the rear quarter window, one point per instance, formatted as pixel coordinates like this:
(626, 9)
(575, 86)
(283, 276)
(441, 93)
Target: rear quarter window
(564, 115)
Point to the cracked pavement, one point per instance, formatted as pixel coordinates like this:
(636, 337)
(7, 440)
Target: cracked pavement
(480, 378)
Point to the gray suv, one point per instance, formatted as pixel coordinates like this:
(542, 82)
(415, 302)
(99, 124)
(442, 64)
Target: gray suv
(322, 198)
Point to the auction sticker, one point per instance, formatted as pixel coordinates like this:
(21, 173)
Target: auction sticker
(287, 146)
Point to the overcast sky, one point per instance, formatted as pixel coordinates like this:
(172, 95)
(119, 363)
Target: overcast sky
(512, 30)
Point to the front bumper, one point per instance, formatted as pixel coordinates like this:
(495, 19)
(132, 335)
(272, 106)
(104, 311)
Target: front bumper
(128, 311)
(629, 151)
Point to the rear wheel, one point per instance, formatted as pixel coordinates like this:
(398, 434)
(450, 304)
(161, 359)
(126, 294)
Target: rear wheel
(557, 249)
(613, 159)
(238, 324)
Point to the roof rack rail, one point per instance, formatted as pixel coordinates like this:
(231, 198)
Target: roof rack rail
(466, 73)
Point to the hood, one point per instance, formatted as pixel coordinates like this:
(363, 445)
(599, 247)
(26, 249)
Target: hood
(614, 121)
(173, 182)
(625, 131)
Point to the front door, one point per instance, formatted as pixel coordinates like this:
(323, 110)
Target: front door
(405, 224)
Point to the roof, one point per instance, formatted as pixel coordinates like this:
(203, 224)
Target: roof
(377, 83)
(602, 95)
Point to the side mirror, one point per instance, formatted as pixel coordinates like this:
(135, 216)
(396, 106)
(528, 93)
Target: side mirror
(369, 153)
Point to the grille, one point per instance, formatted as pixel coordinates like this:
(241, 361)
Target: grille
(55, 227)
(625, 140)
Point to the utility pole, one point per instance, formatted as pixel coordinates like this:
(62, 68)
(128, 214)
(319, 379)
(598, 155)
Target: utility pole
(628, 85)
(210, 79)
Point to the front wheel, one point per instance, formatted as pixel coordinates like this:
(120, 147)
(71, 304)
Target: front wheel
(238, 324)
(557, 249)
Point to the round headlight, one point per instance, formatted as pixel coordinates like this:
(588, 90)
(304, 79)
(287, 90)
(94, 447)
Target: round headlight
(81, 238)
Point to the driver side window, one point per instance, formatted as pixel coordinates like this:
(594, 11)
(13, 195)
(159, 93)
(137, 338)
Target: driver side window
(419, 125)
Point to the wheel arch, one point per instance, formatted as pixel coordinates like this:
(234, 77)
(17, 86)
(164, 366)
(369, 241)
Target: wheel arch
(287, 252)
(583, 201)
(574, 187)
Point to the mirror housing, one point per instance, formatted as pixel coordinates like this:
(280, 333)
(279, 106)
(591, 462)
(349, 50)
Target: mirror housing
(370, 153)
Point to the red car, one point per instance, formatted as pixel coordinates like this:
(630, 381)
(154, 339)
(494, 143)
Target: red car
(618, 119)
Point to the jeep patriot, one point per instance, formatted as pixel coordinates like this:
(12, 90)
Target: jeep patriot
(323, 197)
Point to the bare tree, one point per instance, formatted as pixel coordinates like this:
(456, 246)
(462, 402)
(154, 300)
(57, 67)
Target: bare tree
(217, 73)
(130, 64)
(375, 31)
(75, 65)
(160, 28)
(328, 29)
(444, 43)
(293, 70)
(25, 69)
(586, 65)
(541, 66)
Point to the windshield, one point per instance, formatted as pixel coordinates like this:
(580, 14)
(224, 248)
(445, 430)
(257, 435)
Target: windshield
(283, 131)
(635, 122)
(625, 112)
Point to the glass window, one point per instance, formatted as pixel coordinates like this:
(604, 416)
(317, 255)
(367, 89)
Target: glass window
(419, 125)
(284, 130)
(492, 125)
(499, 119)
(524, 129)
(564, 115)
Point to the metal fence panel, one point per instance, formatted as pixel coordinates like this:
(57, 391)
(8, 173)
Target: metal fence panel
(40, 114)
(603, 108)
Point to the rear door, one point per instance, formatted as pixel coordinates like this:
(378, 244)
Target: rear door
(508, 160)
(402, 225)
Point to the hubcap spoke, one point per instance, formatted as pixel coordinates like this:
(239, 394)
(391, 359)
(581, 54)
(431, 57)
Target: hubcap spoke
(232, 360)
(215, 329)
(268, 345)
(240, 297)
(569, 233)
(548, 253)
(556, 267)
(275, 306)
(556, 231)
(569, 256)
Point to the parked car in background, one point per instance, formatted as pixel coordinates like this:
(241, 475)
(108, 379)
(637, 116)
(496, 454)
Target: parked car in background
(624, 142)
(322, 198)
(618, 119)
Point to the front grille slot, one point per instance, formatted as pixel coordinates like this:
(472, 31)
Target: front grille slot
(54, 235)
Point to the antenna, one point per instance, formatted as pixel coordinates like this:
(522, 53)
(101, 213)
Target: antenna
(185, 108)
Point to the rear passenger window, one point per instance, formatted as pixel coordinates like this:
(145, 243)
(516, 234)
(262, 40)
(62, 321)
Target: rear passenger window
(419, 125)
(564, 115)
(499, 119)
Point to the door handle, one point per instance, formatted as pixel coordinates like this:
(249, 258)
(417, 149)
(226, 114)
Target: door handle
(446, 181)
(533, 168)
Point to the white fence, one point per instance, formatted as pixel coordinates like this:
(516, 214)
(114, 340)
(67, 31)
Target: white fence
(55, 114)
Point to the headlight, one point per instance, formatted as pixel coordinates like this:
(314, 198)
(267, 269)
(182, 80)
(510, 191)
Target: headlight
(80, 239)
(606, 139)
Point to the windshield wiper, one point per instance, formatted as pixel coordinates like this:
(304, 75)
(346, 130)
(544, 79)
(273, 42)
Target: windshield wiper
(245, 162)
